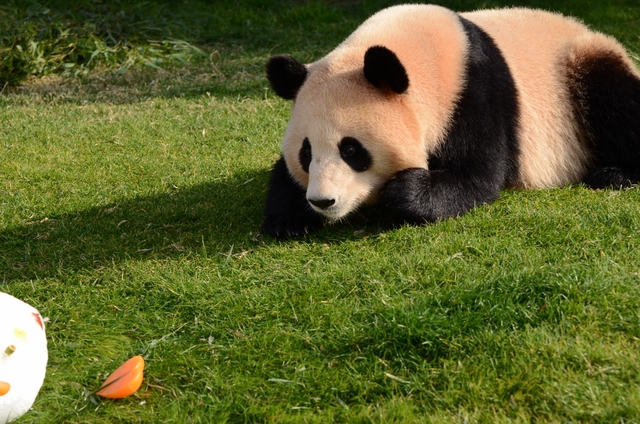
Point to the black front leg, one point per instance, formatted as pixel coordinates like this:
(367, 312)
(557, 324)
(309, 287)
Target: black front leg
(288, 213)
(406, 197)
(417, 195)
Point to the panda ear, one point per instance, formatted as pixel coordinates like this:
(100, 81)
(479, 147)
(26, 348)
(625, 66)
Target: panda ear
(383, 70)
(286, 76)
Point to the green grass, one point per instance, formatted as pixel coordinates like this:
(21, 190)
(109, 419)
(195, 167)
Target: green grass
(129, 213)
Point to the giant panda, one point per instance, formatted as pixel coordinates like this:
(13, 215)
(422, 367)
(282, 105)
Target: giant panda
(428, 113)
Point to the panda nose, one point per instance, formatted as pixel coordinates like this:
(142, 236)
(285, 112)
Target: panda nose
(322, 203)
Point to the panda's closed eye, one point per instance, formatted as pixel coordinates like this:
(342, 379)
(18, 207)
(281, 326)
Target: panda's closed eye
(355, 154)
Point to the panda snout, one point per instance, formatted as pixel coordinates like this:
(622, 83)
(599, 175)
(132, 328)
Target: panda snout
(322, 203)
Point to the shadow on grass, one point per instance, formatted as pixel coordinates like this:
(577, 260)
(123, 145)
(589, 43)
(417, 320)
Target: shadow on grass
(203, 219)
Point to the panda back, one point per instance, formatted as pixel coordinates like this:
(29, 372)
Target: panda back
(537, 46)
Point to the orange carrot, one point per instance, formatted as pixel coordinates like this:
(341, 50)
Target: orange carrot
(4, 388)
(123, 381)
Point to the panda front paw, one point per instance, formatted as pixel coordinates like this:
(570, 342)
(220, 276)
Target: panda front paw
(610, 177)
(406, 197)
(284, 226)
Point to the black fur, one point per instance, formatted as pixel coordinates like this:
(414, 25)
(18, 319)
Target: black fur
(610, 177)
(383, 70)
(355, 154)
(606, 96)
(305, 155)
(286, 76)
(288, 213)
(480, 153)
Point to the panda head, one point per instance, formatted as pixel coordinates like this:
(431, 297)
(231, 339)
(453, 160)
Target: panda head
(352, 126)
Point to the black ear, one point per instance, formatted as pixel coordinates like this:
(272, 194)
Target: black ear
(383, 70)
(286, 75)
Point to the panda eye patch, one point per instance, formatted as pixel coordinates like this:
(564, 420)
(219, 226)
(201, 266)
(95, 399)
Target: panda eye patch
(355, 154)
(304, 156)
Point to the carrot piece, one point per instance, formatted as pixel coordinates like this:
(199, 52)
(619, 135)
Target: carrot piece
(123, 381)
(4, 388)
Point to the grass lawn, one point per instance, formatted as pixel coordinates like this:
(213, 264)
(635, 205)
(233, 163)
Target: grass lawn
(130, 206)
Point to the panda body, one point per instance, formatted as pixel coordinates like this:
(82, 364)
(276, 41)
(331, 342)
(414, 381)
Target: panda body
(542, 51)
(429, 113)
